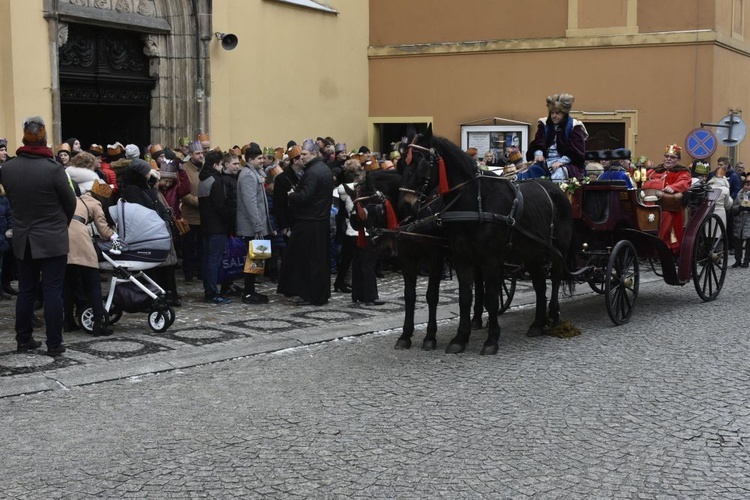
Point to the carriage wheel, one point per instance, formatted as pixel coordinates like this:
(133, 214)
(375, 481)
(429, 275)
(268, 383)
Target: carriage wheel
(621, 287)
(710, 258)
(507, 291)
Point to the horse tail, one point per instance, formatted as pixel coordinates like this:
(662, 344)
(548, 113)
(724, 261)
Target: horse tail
(569, 284)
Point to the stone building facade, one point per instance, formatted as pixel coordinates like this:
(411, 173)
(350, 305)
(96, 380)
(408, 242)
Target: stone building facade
(151, 71)
(644, 72)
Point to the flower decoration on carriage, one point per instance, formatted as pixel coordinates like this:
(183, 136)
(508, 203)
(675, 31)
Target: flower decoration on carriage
(572, 185)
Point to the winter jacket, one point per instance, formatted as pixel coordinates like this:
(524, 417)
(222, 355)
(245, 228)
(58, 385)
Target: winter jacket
(252, 205)
(82, 251)
(43, 204)
(741, 209)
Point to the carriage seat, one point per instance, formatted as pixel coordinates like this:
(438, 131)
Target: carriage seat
(599, 196)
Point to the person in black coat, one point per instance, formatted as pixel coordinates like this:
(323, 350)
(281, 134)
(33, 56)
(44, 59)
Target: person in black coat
(217, 199)
(138, 186)
(306, 270)
(43, 204)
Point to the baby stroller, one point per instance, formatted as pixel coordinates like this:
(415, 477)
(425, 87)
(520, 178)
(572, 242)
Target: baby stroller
(145, 242)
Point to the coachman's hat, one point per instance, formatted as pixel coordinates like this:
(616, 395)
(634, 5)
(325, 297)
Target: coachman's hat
(560, 102)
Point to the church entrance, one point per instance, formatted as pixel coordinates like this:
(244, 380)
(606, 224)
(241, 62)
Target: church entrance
(105, 87)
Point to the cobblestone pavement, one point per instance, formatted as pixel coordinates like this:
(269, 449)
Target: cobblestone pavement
(656, 408)
(205, 333)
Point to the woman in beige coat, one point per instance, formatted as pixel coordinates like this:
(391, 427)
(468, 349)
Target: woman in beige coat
(83, 264)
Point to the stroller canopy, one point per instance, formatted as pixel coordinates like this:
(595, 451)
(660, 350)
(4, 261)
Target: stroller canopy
(140, 228)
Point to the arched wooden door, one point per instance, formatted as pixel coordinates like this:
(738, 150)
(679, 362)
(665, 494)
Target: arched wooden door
(105, 87)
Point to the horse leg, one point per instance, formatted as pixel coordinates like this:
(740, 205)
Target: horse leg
(554, 304)
(491, 303)
(476, 320)
(409, 270)
(433, 295)
(465, 275)
(539, 280)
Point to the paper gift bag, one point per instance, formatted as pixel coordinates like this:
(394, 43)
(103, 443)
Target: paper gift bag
(259, 249)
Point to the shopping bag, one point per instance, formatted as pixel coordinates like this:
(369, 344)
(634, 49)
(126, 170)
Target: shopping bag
(259, 249)
(233, 261)
(253, 266)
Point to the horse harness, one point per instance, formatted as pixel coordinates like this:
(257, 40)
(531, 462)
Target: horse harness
(516, 211)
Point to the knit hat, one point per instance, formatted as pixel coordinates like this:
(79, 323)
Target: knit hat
(195, 146)
(140, 166)
(132, 152)
(168, 170)
(34, 132)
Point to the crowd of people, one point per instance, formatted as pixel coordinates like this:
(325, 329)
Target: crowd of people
(298, 197)
(54, 201)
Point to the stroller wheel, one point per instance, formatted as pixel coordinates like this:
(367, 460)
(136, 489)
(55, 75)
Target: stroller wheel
(159, 321)
(86, 319)
(170, 316)
(115, 314)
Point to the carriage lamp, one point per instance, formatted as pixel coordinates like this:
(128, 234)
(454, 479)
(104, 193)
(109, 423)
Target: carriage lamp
(639, 175)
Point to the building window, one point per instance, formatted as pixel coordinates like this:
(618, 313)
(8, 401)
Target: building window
(308, 4)
(738, 19)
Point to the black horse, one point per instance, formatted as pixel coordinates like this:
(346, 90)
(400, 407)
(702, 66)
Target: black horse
(492, 221)
(425, 247)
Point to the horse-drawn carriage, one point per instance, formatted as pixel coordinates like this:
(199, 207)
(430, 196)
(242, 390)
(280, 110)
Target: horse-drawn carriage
(615, 230)
(531, 230)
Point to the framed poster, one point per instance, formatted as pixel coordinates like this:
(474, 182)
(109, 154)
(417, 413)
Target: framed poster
(494, 138)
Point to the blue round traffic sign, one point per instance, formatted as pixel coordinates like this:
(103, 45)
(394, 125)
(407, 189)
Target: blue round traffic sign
(701, 143)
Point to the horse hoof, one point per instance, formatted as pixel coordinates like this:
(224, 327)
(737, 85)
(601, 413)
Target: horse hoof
(535, 331)
(553, 321)
(489, 350)
(402, 344)
(429, 345)
(476, 325)
(455, 348)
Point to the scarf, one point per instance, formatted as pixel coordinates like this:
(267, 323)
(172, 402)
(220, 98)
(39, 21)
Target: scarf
(36, 151)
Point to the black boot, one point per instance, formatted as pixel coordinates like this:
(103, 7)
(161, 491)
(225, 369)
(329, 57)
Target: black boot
(101, 328)
(70, 325)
